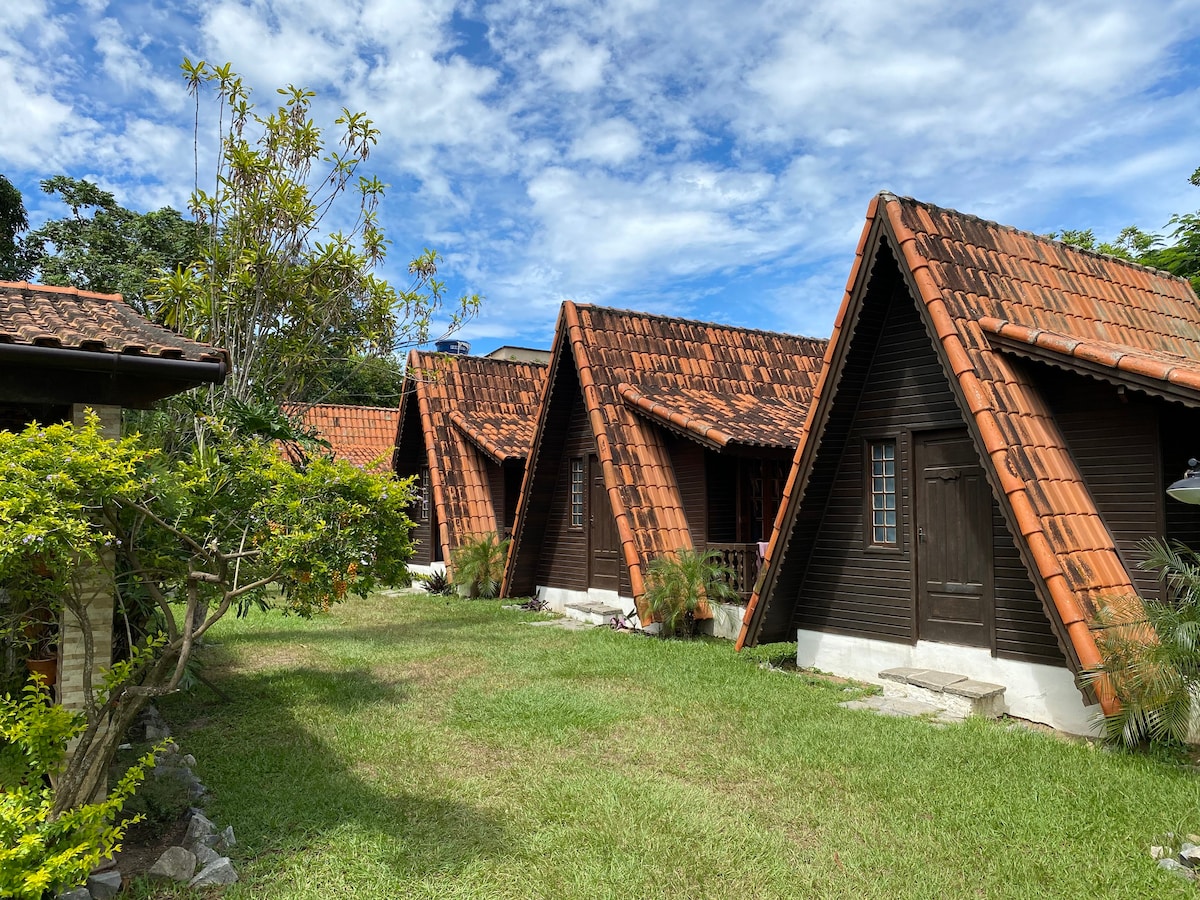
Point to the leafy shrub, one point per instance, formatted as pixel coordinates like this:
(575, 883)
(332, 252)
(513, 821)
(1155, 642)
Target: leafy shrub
(678, 586)
(39, 852)
(1151, 654)
(479, 565)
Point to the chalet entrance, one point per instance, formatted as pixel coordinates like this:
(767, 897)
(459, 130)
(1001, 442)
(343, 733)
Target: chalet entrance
(603, 543)
(953, 535)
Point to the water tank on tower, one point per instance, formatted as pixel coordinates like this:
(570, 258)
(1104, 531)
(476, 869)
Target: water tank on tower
(454, 347)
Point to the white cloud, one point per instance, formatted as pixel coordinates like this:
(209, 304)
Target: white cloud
(611, 142)
(574, 65)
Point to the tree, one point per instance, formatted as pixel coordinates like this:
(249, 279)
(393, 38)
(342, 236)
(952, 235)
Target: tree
(273, 284)
(104, 247)
(357, 380)
(13, 221)
(226, 526)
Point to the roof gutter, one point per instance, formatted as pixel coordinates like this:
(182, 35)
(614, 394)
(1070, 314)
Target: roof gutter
(213, 372)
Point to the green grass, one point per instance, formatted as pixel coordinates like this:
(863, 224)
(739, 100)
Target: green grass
(434, 747)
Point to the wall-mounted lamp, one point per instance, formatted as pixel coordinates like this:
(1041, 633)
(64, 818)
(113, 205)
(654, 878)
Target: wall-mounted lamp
(1187, 488)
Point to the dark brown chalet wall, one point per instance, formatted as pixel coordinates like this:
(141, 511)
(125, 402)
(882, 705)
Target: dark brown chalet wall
(848, 587)
(495, 473)
(1114, 442)
(894, 385)
(1179, 437)
(410, 459)
(688, 460)
(562, 556)
(514, 473)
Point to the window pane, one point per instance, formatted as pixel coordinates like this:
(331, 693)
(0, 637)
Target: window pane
(883, 492)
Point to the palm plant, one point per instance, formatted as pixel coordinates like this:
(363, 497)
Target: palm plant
(479, 565)
(1151, 653)
(678, 585)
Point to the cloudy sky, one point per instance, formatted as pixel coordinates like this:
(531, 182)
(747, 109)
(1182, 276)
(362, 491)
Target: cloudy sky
(710, 159)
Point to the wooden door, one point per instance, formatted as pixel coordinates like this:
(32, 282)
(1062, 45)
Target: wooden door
(953, 517)
(603, 544)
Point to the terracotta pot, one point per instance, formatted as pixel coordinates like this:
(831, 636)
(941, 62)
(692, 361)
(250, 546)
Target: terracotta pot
(46, 669)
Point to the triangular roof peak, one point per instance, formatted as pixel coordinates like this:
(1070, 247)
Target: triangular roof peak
(987, 293)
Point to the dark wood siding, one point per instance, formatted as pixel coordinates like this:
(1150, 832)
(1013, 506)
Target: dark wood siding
(1179, 430)
(892, 386)
(721, 476)
(1022, 629)
(1114, 442)
(688, 459)
(848, 586)
(410, 460)
(562, 559)
(495, 474)
(514, 473)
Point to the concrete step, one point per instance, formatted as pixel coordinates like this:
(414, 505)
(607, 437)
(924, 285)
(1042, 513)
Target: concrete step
(957, 694)
(593, 612)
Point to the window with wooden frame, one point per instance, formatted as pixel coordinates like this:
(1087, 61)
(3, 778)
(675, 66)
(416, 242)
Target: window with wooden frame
(423, 500)
(882, 462)
(577, 492)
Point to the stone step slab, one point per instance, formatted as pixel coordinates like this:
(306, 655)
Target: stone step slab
(957, 694)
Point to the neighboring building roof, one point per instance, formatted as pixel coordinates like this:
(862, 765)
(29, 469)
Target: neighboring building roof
(68, 330)
(472, 409)
(362, 435)
(721, 386)
(989, 291)
(520, 354)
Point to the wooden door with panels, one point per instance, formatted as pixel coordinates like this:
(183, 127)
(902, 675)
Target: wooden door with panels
(953, 541)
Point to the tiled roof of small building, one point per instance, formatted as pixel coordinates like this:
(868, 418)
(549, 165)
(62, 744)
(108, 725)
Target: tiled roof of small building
(472, 409)
(65, 318)
(715, 384)
(988, 288)
(362, 435)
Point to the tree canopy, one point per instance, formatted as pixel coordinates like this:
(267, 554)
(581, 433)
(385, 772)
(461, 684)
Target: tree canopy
(13, 220)
(274, 283)
(102, 246)
(1177, 253)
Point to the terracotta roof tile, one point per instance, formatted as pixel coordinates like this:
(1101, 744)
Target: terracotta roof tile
(362, 435)
(58, 317)
(474, 412)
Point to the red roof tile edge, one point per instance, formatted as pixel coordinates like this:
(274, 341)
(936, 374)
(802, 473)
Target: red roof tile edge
(658, 410)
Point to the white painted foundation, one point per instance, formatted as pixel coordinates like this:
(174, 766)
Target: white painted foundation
(557, 599)
(1045, 694)
(726, 621)
(427, 570)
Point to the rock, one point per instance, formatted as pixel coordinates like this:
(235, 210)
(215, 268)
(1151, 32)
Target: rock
(1157, 852)
(220, 871)
(204, 853)
(1176, 868)
(104, 885)
(189, 761)
(79, 893)
(227, 838)
(177, 864)
(1189, 855)
(199, 827)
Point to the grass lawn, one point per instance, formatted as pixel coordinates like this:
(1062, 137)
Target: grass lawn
(423, 746)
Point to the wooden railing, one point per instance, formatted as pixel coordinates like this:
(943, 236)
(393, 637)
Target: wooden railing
(743, 560)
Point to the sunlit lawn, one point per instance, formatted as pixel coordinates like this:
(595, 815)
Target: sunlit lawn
(417, 746)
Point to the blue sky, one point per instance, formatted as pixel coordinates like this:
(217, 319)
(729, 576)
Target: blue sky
(709, 159)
